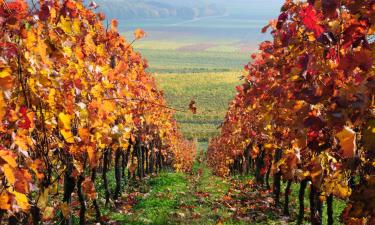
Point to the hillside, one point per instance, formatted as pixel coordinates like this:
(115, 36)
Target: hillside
(146, 9)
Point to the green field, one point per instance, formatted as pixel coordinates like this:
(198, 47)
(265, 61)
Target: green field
(212, 93)
(209, 77)
(182, 62)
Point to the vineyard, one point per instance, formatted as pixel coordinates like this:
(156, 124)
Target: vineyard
(306, 111)
(75, 103)
(84, 127)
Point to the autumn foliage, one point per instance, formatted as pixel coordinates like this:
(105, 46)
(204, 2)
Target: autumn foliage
(306, 111)
(75, 101)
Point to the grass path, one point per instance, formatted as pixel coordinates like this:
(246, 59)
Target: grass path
(196, 198)
(201, 198)
(175, 198)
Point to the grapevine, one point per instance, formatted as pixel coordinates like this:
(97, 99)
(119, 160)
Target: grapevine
(75, 102)
(305, 113)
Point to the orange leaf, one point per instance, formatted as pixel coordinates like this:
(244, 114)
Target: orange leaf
(84, 134)
(92, 156)
(6, 80)
(2, 106)
(139, 34)
(23, 180)
(114, 24)
(347, 140)
(37, 167)
(4, 201)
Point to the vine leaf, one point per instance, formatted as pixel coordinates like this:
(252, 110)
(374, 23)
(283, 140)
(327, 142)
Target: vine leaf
(192, 107)
(139, 34)
(310, 19)
(347, 140)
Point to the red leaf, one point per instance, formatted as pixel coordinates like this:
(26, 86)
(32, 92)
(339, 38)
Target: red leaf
(310, 19)
(44, 13)
(26, 122)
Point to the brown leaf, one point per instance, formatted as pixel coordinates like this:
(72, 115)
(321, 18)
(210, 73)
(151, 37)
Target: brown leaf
(192, 107)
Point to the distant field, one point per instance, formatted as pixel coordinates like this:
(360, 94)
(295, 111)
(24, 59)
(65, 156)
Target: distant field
(199, 59)
(211, 91)
(174, 61)
(187, 69)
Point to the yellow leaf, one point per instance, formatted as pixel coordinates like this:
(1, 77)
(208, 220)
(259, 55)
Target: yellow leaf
(64, 121)
(43, 199)
(8, 172)
(347, 140)
(51, 98)
(5, 72)
(22, 200)
(65, 127)
(65, 25)
(67, 51)
(128, 118)
(68, 136)
(100, 49)
(31, 39)
(76, 26)
(8, 157)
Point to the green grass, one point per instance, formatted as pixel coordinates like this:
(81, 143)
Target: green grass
(182, 62)
(170, 194)
(156, 206)
(212, 93)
